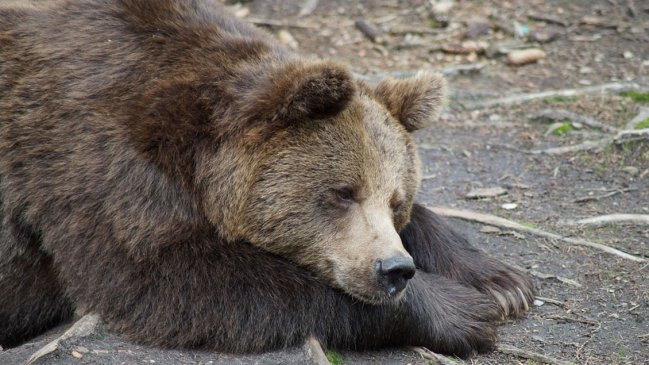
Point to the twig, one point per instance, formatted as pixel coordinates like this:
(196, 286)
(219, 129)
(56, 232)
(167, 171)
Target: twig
(429, 355)
(541, 275)
(613, 218)
(600, 197)
(626, 136)
(451, 70)
(584, 146)
(558, 303)
(313, 349)
(405, 29)
(547, 19)
(511, 350)
(463, 69)
(279, 23)
(502, 222)
(558, 317)
(561, 114)
(643, 114)
(308, 7)
(82, 328)
(522, 98)
(369, 30)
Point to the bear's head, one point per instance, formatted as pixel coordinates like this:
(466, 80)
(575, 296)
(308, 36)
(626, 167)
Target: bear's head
(310, 164)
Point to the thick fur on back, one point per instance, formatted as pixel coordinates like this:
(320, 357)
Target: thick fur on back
(103, 111)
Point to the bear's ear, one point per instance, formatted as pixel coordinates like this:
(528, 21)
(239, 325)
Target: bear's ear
(297, 91)
(415, 101)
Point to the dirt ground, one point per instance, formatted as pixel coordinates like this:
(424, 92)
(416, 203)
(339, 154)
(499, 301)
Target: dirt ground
(594, 306)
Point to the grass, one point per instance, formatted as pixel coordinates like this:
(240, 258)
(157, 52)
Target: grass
(637, 96)
(642, 125)
(559, 99)
(528, 224)
(563, 129)
(334, 358)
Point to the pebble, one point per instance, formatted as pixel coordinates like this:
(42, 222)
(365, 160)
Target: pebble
(627, 55)
(490, 229)
(631, 170)
(509, 206)
(486, 192)
(538, 303)
(525, 56)
(287, 39)
(585, 70)
(76, 355)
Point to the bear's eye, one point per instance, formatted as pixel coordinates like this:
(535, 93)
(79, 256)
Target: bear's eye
(397, 202)
(345, 194)
(397, 205)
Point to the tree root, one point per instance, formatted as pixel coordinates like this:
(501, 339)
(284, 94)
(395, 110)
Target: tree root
(505, 223)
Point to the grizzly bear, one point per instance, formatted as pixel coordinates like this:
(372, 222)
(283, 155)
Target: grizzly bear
(181, 174)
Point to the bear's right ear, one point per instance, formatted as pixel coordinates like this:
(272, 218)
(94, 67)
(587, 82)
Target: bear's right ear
(414, 102)
(295, 92)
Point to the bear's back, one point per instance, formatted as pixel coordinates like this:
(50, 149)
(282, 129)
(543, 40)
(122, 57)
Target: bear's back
(76, 81)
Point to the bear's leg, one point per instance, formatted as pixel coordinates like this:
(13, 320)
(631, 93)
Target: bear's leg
(31, 298)
(232, 297)
(438, 248)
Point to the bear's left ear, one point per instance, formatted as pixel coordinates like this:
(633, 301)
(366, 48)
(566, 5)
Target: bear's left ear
(415, 101)
(296, 92)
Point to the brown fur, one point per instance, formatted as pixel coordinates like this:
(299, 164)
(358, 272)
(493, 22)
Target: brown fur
(176, 171)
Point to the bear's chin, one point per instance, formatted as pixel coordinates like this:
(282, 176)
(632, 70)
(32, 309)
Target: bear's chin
(378, 298)
(374, 295)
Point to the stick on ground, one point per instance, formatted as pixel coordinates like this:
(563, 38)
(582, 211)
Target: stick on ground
(502, 222)
(613, 218)
(429, 355)
(562, 115)
(511, 350)
(521, 98)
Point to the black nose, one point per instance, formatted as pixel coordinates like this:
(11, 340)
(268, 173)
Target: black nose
(395, 272)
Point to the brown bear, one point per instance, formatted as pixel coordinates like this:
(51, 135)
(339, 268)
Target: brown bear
(178, 172)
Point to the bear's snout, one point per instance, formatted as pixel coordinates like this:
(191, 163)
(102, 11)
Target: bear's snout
(393, 273)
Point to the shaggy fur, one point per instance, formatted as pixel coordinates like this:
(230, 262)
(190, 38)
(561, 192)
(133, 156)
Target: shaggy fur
(169, 167)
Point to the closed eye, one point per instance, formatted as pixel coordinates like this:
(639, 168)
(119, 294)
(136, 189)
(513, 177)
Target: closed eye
(345, 194)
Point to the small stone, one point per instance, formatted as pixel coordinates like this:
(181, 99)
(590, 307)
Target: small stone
(242, 12)
(490, 229)
(287, 39)
(585, 70)
(443, 7)
(509, 206)
(486, 193)
(81, 349)
(525, 56)
(538, 303)
(627, 55)
(76, 355)
(631, 170)
(543, 37)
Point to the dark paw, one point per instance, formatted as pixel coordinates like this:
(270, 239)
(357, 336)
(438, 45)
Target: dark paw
(462, 321)
(512, 289)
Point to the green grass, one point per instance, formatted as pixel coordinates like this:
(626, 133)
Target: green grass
(334, 358)
(559, 99)
(637, 96)
(642, 125)
(563, 129)
(528, 224)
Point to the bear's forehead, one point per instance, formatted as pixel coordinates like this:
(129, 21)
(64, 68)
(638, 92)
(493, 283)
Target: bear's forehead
(367, 142)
